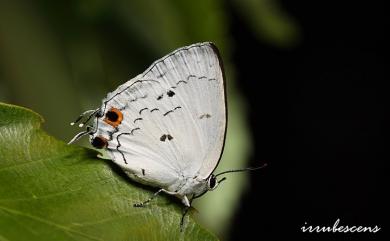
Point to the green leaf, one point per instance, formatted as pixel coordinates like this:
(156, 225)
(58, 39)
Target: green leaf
(53, 191)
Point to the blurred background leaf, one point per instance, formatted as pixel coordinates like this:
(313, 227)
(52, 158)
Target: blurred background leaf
(62, 57)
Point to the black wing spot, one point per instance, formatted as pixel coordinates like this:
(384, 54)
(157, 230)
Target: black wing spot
(212, 79)
(191, 76)
(112, 116)
(99, 142)
(202, 77)
(205, 116)
(138, 119)
(140, 112)
(165, 137)
(159, 97)
(132, 131)
(166, 113)
(170, 93)
(154, 110)
(170, 111)
(143, 172)
(181, 81)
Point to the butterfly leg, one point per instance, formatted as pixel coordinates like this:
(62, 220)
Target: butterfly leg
(186, 208)
(152, 197)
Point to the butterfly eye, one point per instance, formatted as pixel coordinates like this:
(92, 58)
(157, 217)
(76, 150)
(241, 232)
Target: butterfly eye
(212, 182)
(99, 142)
(113, 117)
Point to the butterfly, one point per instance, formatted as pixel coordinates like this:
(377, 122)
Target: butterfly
(166, 127)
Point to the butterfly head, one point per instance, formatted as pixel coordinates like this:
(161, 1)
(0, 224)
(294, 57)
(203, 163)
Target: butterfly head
(97, 140)
(213, 182)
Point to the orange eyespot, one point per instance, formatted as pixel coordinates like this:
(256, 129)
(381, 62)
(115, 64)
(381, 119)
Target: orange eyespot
(113, 117)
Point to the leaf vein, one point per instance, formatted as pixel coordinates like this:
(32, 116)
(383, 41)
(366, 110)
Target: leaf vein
(41, 220)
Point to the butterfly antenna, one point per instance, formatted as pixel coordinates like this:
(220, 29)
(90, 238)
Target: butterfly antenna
(79, 135)
(89, 117)
(242, 170)
(81, 116)
(222, 179)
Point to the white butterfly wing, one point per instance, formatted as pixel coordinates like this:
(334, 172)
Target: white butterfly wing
(174, 118)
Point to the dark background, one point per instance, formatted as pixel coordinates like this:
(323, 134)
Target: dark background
(311, 74)
(320, 121)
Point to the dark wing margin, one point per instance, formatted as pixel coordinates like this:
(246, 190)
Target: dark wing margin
(221, 66)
